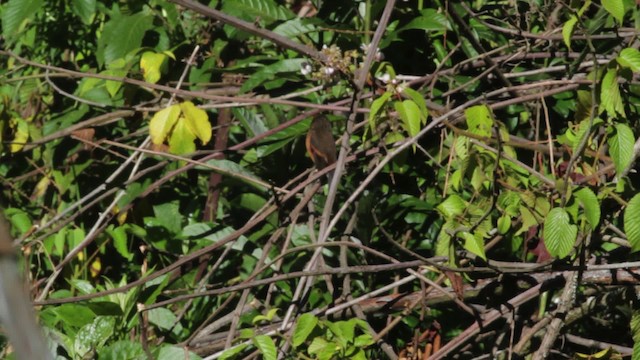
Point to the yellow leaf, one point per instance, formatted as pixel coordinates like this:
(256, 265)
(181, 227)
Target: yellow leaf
(95, 268)
(181, 141)
(197, 121)
(162, 123)
(21, 137)
(41, 188)
(152, 65)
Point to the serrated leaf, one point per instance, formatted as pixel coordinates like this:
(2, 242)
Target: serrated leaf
(452, 206)
(162, 123)
(610, 99)
(630, 58)
(304, 326)
(266, 346)
(591, 206)
(197, 121)
(567, 30)
(615, 8)
(479, 120)
(152, 65)
(632, 222)
(583, 131)
(15, 13)
(621, 144)
(474, 244)
(559, 233)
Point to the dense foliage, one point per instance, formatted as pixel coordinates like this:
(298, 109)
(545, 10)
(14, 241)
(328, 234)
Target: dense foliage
(483, 202)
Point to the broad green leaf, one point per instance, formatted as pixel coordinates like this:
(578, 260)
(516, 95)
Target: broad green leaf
(621, 144)
(196, 121)
(173, 352)
(632, 222)
(559, 233)
(630, 58)
(610, 99)
(474, 244)
(409, 112)
(567, 30)
(122, 349)
(123, 34)
(634, 324)
(85, 9)
(429, 20)
(276, 70)
(452, 206)
(15, 14)
(114, 86)
(152, 65)
(163, 318)
(94, 335)
(162, 123)
(615, 8)
(479, 120)
(583, 131)
(304, 326)
(591, 205)
(266, 346)
(419, 100)
(296, 27)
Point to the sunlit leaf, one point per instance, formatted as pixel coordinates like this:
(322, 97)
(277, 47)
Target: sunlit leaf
(197, 121)
(559, 233)
(162, 123)
(632, 222)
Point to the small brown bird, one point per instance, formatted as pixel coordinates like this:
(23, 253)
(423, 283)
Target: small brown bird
(320, 143)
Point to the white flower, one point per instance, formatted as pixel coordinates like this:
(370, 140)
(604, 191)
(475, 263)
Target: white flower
(329, 70)
(384, 77)
(306, 68)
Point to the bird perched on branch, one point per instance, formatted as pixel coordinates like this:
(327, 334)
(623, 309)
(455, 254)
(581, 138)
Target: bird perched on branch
(320, 143)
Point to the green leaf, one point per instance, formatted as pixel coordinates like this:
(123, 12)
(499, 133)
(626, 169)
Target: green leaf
(182, 139)
(120, 243)
(615, 8)
(197, 121)
(122, 34)
(376, 106)
(474, 244)
(122, 349)
(152, 65)
(479, 120)
(419, 100)
(610, 99)
(567, 30)
(266, 346)
(591, 206)
(409, 112)
(15, 14)
(452, 206)
(304, 326)
(231, 353)
(621, 144)
(504, 224)
(94, 335)
(630, 58)
(559, 234)
(162, 123)
(429, 20)
(265, 10)
(85, 9)
(272, 71)
(632, 222)
(163, 318)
